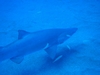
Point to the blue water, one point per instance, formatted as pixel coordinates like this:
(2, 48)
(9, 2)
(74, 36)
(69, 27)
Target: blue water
(33, 15)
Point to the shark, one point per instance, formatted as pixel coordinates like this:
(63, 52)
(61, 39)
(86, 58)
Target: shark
(29, 42)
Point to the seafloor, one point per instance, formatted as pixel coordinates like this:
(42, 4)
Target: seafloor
(34, 15)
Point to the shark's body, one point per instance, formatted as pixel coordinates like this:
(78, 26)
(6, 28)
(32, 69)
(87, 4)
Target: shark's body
(47, 39)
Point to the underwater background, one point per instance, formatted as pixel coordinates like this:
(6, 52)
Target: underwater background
(35, 15)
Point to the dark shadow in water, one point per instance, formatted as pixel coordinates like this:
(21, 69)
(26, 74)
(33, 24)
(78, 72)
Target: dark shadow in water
(49, 65)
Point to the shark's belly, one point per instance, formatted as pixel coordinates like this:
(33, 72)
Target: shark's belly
(30, 46)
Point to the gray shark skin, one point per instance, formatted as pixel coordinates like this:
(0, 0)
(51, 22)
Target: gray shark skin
(27, 43)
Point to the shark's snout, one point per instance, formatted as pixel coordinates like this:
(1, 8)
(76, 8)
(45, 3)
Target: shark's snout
(74, 30)
(71, 31)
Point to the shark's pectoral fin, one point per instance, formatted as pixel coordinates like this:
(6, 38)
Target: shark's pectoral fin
(17, 60)
(52, 51)
(22, 33)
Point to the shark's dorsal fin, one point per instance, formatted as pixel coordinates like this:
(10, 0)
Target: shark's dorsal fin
(17, 60)
(22, 33)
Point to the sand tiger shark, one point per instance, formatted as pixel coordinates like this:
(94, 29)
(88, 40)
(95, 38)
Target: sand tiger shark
(29, 42)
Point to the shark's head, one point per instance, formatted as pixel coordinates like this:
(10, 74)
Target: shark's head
(58, 37)
(67, 33)
(70, 31)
